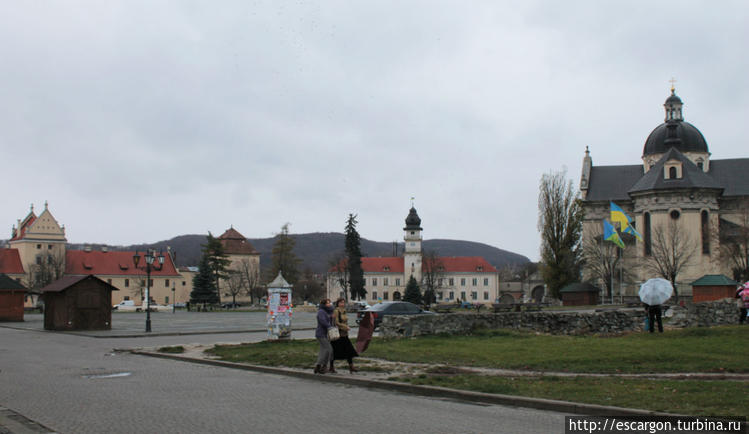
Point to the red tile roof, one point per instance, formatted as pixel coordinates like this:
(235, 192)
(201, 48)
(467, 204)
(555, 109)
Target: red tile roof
(21, 229)
(382, 265)
(10, 262)
(236, 244)
(451, 264)
(66, 282)
(112, 263)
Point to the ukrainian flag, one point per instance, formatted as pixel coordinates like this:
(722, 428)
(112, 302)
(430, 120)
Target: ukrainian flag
(610, 234)
(618, 215)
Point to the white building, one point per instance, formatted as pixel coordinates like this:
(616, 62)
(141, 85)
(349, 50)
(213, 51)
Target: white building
(468, 278)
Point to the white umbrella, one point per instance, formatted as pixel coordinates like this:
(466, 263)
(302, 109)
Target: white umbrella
(655, 291)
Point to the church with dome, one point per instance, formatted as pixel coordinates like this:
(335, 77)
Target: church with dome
(678, 199)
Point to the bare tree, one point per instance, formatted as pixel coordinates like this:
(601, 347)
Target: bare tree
(48, 268)
(251, 279)
(672, 251)
(340, 271)
(601, 259)
(308, 288)
(734, 242)
(431, 277)
(235, 284)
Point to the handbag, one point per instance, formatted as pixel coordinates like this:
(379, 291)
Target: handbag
(333, 333)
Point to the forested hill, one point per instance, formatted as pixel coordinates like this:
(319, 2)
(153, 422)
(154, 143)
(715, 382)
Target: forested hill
(316, 250)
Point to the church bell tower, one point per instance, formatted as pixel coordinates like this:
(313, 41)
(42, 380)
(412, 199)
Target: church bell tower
(412, 254)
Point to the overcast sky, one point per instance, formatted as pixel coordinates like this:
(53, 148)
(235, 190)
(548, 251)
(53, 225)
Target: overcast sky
(142, 120)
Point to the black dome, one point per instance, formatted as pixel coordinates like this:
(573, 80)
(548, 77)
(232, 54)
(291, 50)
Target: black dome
(673, 99)
(413, 221)
(686, 138)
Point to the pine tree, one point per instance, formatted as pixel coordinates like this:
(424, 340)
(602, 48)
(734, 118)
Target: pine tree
(218, 261)
(353, 260)
(283, 257)
(413, 293)
(203, 284)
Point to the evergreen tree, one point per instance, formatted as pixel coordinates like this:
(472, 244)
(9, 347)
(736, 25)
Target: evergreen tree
(413, 292)
(203, 284)
(218, 261)
(353, 260)
(283, 258)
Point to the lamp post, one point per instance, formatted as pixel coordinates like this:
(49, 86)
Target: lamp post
(149, 265)
(174, 300)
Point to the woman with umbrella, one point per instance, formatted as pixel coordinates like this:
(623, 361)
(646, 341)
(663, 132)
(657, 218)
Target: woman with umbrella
(742, 294)
(653, 293)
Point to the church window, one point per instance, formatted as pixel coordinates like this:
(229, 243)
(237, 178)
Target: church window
(705, 233)
(646, 235)
(675, 214)
(672, 173)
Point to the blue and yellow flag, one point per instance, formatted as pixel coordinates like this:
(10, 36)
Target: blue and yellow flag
(618, 215)
(610, 234)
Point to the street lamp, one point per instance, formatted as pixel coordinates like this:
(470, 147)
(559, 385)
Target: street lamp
(174, 300)
(149, 265)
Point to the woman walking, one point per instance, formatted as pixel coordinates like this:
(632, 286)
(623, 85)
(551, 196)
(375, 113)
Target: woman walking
(324, 322)
(342, 348)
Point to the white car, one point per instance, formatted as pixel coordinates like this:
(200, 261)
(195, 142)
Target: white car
(125, 306)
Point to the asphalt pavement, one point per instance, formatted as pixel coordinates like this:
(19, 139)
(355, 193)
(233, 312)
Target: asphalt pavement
(78, 383)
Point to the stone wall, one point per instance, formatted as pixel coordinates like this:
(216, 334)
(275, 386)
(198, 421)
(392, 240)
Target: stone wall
(554, 322)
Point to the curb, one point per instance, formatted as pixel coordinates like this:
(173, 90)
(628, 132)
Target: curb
(18, 424)
(430, 391)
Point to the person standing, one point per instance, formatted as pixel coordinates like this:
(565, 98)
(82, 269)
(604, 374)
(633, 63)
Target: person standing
(324, 322)
(654, 314)
(342, 347)
(743, 305)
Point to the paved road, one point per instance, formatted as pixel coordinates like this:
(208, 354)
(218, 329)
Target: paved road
(77, 384)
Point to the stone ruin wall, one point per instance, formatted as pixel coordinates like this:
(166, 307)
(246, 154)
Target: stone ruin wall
(566, 323)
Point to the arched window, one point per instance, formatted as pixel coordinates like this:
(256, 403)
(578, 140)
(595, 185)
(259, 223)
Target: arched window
(646, 235)
(705, 233)
(672, 172)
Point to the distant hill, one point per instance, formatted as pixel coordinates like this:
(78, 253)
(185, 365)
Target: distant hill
(317, 249)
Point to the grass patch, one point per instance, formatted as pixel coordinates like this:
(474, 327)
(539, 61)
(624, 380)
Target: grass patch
(716, 349)
(300, 353)
(178, 349)
(697, 398)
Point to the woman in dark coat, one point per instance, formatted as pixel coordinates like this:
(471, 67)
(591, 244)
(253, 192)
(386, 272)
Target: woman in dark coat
(324, 322)
(342, 348)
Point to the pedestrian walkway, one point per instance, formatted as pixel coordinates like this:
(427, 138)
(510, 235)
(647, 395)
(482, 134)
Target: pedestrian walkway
(132, 324)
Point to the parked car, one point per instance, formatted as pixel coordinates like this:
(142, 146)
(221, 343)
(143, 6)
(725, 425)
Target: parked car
(230, 305)
(380, 310)
(128, 305)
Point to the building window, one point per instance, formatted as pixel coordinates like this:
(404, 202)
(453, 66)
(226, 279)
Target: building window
(184, 283)
(672, 172)
(127, 283)
(705, 233)
(474, 281)
(463, 295)
(700, 165)
(646, 235)
(486, 295)
(166, 299)
(474, 295)
(397, 282)
(675, 214)
(452, 295)
(150, 282)
(462, 281)
(384, 281)
(142, 282)
(374, 281)
(127, 297)
(486, 281)
(385, 295)
(38, 246)
(166, 283)
(38, 260)
(49, 247)
(374, 295)
(451, 281)
(439, 295)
